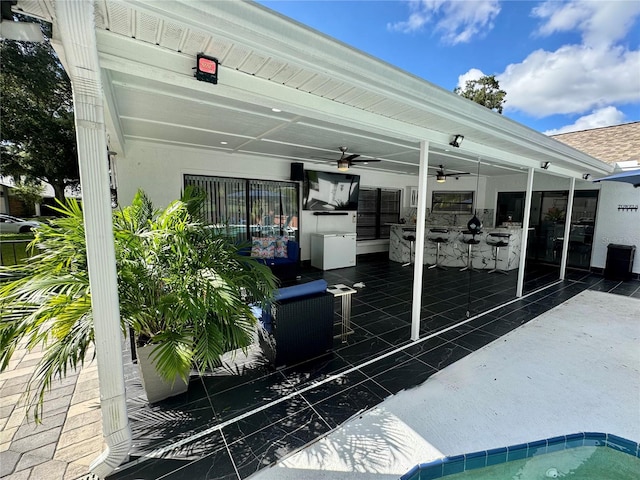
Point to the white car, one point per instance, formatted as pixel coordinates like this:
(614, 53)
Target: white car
(9, 224)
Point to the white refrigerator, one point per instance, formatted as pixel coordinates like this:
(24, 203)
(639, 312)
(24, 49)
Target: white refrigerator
(331, 250)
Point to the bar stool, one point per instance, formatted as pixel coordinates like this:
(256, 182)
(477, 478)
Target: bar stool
(474, 227)
(410, 236)
(497, 240)
(438, 236)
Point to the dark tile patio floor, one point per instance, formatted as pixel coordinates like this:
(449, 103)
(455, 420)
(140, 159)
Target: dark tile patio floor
(236, 420)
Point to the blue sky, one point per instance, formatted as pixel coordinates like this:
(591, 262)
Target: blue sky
(565, 65)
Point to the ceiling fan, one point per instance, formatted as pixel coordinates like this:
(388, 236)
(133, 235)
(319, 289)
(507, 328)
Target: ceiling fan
(346, 161)
(441, 176)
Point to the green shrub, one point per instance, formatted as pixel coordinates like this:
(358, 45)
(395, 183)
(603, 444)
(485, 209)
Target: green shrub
(182, 288)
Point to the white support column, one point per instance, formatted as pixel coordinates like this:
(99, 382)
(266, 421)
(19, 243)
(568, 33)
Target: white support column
(525, 232)
(567, 229)
(77, 31)
(418, 263)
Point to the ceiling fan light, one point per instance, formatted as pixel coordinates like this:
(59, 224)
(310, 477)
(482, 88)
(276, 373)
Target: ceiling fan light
(343, 165)
(441, 178)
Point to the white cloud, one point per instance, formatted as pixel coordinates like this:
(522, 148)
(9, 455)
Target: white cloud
(472, 74)
(604, 117)
(573, 79)
(599, 22)
(456, 21)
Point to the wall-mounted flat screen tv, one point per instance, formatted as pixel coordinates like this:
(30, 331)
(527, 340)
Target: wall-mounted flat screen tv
(330, 191)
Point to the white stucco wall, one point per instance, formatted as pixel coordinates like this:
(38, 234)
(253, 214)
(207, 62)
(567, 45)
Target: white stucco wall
(616, 226)
(159, 170)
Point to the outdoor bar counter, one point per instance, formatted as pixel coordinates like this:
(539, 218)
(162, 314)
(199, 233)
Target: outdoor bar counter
(453, 253)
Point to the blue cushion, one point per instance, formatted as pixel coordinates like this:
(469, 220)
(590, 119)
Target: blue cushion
(309, 288)
(292, 250)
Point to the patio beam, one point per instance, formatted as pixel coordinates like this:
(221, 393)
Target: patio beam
(77, 32)
(567, 228)
(421, 218)
(525, 233)
(112, 115)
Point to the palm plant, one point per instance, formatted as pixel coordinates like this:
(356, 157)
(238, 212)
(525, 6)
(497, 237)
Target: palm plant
(183, 288)
(555, 214)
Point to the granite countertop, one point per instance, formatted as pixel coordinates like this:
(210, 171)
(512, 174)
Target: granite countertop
(508, 229)
(458, 227)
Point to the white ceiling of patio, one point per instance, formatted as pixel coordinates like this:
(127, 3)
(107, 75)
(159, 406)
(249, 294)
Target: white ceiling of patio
(329, 94)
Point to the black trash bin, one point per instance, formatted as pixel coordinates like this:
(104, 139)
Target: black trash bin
(619, 262)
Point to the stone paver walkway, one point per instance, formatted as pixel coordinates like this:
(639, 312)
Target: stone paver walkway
(70, 435)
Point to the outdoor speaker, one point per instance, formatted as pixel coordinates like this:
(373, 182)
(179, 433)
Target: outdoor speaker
(297, 172)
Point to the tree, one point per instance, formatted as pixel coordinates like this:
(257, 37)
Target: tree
(30, 192)
(36, 115)
(485, 91)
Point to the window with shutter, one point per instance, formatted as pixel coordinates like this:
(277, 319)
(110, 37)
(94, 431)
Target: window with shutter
(377, 207)
(453, 202)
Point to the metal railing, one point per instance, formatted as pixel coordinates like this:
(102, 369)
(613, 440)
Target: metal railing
(13, 251)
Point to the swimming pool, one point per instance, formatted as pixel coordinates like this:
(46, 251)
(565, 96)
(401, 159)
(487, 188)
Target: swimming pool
(584, 456)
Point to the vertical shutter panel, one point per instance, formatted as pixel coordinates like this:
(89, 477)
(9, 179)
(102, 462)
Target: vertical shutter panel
(376, 208)
(239, 206)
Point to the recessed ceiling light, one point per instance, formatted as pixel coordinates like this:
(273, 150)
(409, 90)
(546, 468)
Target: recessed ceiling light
(223, 143)
(277, 110)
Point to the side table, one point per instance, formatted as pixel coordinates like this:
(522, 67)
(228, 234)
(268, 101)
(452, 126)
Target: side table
(344, 291)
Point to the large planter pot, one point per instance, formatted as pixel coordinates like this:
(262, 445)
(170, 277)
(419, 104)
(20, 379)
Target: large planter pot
(156, 387)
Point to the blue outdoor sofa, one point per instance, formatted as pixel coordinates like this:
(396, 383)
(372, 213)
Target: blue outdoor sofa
(298, 325)
(284, 268)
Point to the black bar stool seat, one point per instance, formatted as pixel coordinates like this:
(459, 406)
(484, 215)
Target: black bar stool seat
(410, 236)
(469, 238)
(498, 240)
(474, 227)
(438, 236)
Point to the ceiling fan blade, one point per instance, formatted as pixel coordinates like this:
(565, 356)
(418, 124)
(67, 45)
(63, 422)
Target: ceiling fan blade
(366, 161)
(350, 157)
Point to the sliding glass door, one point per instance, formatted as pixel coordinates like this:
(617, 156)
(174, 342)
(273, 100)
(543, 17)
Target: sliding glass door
(548, 210)
(245, 208)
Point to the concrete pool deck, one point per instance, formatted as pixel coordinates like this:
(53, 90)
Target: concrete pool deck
(575, 368)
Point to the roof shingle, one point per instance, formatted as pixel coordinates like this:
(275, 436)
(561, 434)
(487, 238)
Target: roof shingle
(617, 143)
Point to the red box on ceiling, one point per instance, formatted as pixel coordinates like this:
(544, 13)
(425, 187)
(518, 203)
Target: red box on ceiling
(207, 68)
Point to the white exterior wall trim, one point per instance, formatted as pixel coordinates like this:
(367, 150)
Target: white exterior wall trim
(77, 34)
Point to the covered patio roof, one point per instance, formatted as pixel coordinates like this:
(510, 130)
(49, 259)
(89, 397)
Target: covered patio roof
(131, 65)
(329, 94)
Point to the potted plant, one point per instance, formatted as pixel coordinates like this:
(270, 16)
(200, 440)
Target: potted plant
(555, 214)
(184, 291)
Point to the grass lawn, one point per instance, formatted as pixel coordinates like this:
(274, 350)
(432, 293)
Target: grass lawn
(13, 247)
